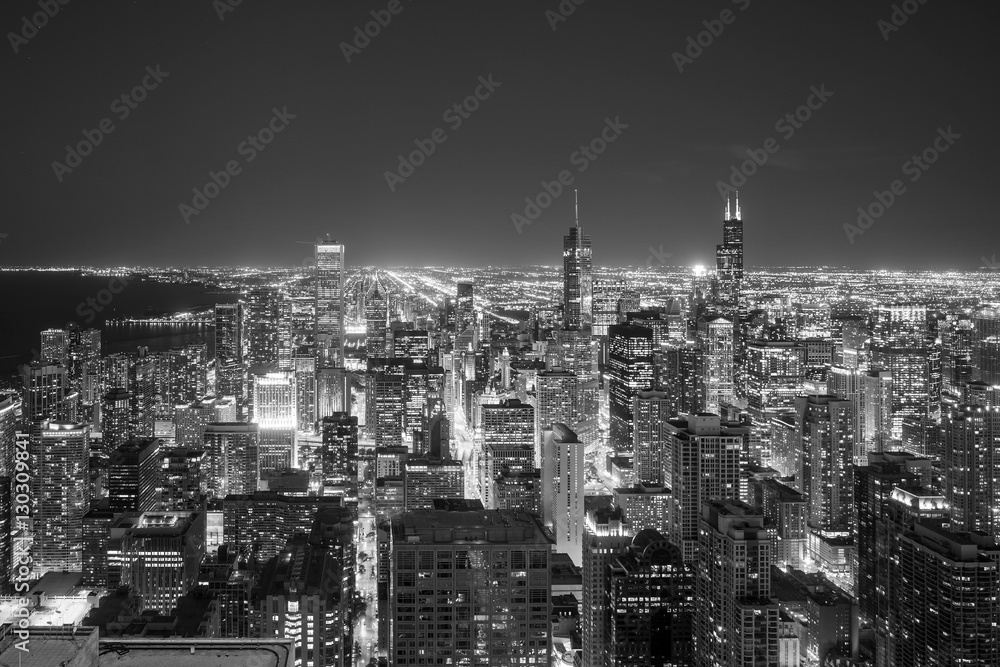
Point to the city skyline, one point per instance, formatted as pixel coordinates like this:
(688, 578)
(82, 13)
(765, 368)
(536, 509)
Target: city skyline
(330, 123)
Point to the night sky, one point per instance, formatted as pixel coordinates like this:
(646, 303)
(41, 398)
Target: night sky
(655, 186)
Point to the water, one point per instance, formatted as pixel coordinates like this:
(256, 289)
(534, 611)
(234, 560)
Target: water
(31, 301)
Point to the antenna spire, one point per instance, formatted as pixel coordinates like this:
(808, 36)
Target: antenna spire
(738, 205)
(576, 197)
(728, 216)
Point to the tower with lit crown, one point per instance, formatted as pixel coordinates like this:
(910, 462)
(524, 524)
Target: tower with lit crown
(329, 325)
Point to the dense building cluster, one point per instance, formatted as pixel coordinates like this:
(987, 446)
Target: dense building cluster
(402, 467)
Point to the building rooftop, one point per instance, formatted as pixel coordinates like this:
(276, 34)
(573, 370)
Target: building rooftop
(195, 653)
(492, 526)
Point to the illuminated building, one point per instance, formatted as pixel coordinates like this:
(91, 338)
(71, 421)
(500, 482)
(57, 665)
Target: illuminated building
(645, 506)
(786, 510)
(9, 406)
(376, 319)
(329, 329)
(55, 347)
(184, 482)
(715, 338)
(825, 427)
(650, 409)
(679, 372)
(517, 490)
(259, 524)
(575, 350)
(971, 464)
(905, 344)
(304, 367)
(493, 609)
(465, 310)
(228, 333)
(116, 425)
(630, 370)
(84, 358)
(947, 597)
(508, 442)
(612, 299)
(874, 536)
(7, 528)
(650, 605)
(191, 419)
(232, 458)
(425, 480)
(303, 596)
(411, 344)
(273, 410)
(262, 322)
(333, 393)
(162, 554)
(654, 319)
(704, 464)
(60, 489)
(389, 409)
(729, 262)
(557, 399)
(775, 371)
(45, 392)
(340, 448)
(578, 281)
(134, 476)
(736, 619)
(607, 534)
(563, 462)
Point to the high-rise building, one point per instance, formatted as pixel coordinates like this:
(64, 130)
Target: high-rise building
(773, 377)
(116, 423)
(650, 409)
(563, 462)
(55, 347)
(376, 319)
(905, 343)
(612, 298)
(191, 419)
(46, 392)
(717, 342)
(679, 371)
(340, 449)
(650, 604)
(162, 554)
(262, 326)
(874, 485)
(826, 430)
(232, 458)
(578, 281)
(494, 608)
(184, 483)
(575, 352)
(971, 464)
(329, 304)
(630, 370)
(729, 261)
(644, 505)
(274, 412)
(60, 489)
(704, 464)
(389, 409)
(411, 344)
(425, 480)
(508, 442)
(946, 600)
(557, 399)
(134, 476)
(304, 366)
(786, 510)
(736, 622)
(465, 306)
(259, 524)
(607, 534)
(306, 594)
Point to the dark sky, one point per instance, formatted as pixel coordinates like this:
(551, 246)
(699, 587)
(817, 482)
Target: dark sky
(655, 186)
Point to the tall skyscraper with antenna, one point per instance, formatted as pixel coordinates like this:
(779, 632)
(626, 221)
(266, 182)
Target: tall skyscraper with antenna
(729, 260)
(578, 278)
(329, 303)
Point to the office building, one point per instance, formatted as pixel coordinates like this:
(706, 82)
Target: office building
(578, 281)
(630, 370)
(426, 480)
(650, 410)
(134, 476)
(329, 325)
(232, 458)
(60, 489)
(162, 554)
(563, 462)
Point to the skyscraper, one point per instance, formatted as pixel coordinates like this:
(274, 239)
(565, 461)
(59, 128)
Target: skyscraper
(557, 399)
(630, 370)
(562, 489)
(60, 487)
(465, 306)
(329, 303)
(274, 412)
(650, 410)
(263, 325)
(578, 281)
(729, 261)
(736, 619)
(232, 458)
(717, 341)
(971, 464)
(376, 319)
(612, 298)
(228, 334)
(134, 476)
